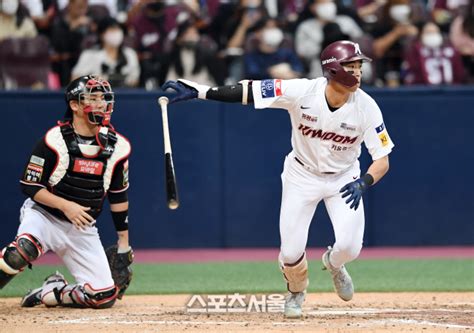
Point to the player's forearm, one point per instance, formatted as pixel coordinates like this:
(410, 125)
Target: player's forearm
(120, 218)
(49, 199)
(378, 168)
(123, 242)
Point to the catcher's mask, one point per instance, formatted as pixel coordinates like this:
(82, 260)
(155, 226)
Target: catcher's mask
(335, 55)
(95, 95)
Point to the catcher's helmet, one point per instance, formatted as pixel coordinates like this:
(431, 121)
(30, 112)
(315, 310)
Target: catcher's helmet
(337, 53)
(81, 89)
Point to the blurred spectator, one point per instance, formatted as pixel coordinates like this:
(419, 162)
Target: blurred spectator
(444, 11)
(310, 34)
(369, 10)
(14, 21)
(462, 37)
(43, 13)
(268, 58)
(115, 62)
(194, 57)
(432, 60)
(391, 36)
(67, 33)
(111, 5)
(235, 32)
(151, 29)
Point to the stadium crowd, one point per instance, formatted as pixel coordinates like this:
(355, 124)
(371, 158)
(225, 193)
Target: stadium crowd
(142, 43)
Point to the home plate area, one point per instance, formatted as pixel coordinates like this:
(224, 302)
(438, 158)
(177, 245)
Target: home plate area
(323, 312)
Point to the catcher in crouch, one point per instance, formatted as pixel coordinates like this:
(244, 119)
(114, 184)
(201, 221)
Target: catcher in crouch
(71, 170)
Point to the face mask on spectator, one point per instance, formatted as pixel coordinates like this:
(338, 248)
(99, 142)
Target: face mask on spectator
(400, 13)
(432, 39)
(272, 37)
(326, 11)
(113, 38)
(10, 7)
(253, 4)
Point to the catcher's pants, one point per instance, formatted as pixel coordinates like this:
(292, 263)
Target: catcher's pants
(301, 193)
(81, 250)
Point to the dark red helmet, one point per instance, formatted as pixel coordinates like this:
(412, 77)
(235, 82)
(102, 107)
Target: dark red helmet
(337, 53)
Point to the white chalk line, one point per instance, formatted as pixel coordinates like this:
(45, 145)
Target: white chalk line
(111, 321)
(366, 311)
(414, 322)
(107, 320)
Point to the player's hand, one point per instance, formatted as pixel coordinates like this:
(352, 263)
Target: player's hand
(183, 91)
(354, 190)
(77, 214)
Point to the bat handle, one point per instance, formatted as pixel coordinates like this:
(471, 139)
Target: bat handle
(163, 101)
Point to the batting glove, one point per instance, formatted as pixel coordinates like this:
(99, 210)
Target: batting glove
(354, 190)
(185, 90)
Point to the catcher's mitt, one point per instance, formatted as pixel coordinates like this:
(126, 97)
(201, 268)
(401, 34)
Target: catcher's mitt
(120, 267)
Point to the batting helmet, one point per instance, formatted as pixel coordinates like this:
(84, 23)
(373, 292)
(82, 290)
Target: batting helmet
(81, 89)
(337, 53)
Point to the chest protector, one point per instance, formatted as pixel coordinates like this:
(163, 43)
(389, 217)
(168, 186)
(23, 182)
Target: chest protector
(83, 181)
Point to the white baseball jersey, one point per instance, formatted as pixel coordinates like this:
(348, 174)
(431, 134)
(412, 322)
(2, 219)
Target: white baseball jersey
(323, 140)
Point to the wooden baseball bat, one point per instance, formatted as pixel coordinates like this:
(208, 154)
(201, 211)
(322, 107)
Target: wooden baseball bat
(171, 188)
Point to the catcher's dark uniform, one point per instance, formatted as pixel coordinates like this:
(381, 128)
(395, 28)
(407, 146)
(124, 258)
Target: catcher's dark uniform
(87, 175)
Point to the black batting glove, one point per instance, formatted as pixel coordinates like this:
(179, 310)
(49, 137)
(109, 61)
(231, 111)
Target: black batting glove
(354, 190)
(183, 91)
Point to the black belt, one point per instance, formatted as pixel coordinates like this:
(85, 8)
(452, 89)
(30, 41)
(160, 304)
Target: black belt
(308, 168)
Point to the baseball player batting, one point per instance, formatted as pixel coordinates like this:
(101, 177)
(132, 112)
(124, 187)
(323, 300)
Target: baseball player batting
(330, 117)
(72, 169)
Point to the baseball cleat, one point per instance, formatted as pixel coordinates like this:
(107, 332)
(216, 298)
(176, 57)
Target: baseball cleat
(293, 305)
(52, 286)
(341, 279)
(32, 298)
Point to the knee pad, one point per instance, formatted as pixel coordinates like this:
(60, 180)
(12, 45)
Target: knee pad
(17, 255)
(101, 298)
(296, 275)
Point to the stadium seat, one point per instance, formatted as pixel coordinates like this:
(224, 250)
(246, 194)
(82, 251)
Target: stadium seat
(24, 63)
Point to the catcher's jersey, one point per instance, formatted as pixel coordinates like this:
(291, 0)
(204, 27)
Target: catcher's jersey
(323, 140)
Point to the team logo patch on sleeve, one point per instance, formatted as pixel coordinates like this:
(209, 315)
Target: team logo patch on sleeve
(37, 160)
(380, 128)
(33, 173)
(271, 88)
(382, 133)
(383, 138)
(88, 166)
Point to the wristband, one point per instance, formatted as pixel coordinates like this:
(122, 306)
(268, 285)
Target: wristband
(120, 220)
(368, 179)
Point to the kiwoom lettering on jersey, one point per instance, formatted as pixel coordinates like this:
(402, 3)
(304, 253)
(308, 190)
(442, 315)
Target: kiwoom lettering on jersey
(320, 134)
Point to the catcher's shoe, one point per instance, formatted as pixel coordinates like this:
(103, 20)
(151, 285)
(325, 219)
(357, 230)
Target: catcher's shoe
(52, 287)
(341, 279)
(32, 298)
(293, 305)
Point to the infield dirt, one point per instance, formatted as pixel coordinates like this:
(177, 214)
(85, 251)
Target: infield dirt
(324, 312)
